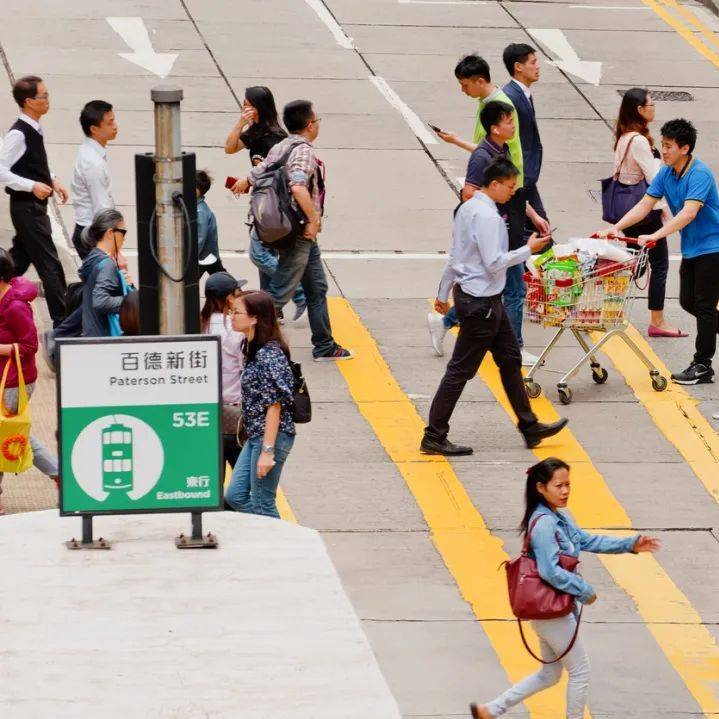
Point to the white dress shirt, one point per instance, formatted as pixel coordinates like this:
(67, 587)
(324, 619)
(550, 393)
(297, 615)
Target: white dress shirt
(12, 149)
(91, 186)
(527, 92)
(480, 255)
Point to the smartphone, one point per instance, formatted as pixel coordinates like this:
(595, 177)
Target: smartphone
(435, 128)
(230, 182)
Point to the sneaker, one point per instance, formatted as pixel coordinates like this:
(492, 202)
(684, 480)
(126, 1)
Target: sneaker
(47, 345)
(336, 354)
(528, 359)
(437, 332)
(299, 311)
(695, 373)
(280, 317)
(715, 415)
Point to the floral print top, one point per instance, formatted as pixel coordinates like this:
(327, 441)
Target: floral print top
(267, 379)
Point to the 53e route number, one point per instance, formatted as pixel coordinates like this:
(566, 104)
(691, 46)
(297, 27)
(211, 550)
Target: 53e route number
(190, 419)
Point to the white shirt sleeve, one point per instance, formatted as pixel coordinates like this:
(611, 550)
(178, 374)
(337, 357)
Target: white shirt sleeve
(12, 149)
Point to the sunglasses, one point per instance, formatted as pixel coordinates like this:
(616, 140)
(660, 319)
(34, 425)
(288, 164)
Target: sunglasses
(120, 230)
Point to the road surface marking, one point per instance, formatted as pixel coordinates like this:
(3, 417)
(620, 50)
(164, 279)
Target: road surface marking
(416, 125)
(133, 31)
(608, 7)
(457, 529)
(326, 16)
(442, 2)
(556, 41)
(673, 411)
(667, 613)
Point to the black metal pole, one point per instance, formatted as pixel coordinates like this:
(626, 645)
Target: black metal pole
(87, 529)
(197, 525)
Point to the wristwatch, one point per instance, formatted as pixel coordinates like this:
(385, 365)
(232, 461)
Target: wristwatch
(268, 448)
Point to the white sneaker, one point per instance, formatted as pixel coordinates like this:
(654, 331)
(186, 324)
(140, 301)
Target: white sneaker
(528, 359)
(715, 415)
(437, 332)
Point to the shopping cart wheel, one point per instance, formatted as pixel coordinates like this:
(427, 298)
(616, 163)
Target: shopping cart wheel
(600, 375)
(565, 395)
(533, 389)
(659, 383)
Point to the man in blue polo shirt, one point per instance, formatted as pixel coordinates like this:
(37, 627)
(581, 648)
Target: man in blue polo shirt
(689, 188)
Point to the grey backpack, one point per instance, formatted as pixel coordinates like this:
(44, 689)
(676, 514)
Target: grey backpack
(276, 220)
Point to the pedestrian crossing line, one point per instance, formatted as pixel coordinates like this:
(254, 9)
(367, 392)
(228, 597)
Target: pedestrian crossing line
(667, 613)
(673, 411)
(283, 506)
(457, 529)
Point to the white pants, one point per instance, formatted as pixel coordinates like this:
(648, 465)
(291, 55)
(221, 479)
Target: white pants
(43, 459)
(554, 637)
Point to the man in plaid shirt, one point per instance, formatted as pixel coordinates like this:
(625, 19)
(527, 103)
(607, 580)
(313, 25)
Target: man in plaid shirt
(302, 262)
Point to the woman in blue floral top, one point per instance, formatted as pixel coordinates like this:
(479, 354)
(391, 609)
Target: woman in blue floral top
(267, 400)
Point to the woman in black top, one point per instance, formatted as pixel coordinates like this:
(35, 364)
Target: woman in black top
(258, 130)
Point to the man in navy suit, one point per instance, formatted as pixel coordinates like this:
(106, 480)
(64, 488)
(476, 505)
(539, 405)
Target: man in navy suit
(523, 67)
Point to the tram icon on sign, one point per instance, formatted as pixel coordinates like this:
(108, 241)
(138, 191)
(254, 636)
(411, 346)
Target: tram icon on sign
(117, 458)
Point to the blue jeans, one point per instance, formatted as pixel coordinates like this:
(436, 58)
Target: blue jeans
(265, 260)
(247, 493)
(303, 263)
(513, 297)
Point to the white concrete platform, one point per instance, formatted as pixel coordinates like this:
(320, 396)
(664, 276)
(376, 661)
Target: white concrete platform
(258, 628)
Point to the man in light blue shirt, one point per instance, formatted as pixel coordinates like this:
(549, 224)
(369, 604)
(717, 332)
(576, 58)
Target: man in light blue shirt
(477, 268)
(690, 190)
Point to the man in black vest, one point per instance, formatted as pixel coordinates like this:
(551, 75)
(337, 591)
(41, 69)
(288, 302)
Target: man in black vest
(26, 175)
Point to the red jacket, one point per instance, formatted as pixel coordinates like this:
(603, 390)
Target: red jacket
(18, 327)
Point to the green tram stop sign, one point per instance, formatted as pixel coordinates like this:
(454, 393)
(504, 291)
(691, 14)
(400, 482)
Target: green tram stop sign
(140, 427)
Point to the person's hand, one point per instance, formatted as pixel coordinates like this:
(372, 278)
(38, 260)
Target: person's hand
(646, 544)
(41, 190)
(541, 225)
(441, 307)
(610, 234)
(591, 600)
(646, 239)
(128, 277)
(449, 137)
(311, 229)
(248, 116)
(61, 191)
(536, 243)
(241, 187)
(264, 464)
(121, 261)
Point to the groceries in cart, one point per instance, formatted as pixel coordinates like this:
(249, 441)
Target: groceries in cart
(584, 282)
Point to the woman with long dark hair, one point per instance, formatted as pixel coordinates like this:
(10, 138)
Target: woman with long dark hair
(636, 159)
(267, 400)
(258, 130)
(553, 531)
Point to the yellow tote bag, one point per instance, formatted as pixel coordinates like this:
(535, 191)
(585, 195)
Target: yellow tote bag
(15, 450)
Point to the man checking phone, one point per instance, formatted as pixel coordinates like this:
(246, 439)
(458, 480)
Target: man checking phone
(477, 269)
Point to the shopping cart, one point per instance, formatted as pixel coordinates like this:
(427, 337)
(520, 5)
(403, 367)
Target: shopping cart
(582, 302)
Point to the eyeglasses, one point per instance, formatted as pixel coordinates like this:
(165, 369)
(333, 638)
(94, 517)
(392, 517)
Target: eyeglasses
(240, 312)
(44, 96)
(120, 230)
(317, 119)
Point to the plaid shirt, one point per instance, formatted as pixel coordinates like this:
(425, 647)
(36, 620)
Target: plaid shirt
(302, 165)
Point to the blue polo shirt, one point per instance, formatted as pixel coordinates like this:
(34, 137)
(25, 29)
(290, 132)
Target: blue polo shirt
(701, 236)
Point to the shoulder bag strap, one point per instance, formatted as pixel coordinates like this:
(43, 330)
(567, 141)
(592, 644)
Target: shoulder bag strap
(282, 161)
(22, 391)
(564, 653)
(618, 168)
(528, 537)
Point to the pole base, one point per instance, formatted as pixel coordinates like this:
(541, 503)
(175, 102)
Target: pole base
(96, 544)
(209, 541)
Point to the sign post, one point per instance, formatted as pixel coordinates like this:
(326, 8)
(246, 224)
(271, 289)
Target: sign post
(140, 429)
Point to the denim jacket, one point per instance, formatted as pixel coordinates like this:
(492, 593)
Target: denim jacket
(559, 533)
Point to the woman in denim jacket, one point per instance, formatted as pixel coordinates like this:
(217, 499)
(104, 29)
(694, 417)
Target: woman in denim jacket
(555, 532)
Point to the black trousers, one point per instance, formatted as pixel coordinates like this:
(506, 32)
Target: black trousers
(483, 326)
(77, 242)
(33, 244)
(699, 295)
(658, 258)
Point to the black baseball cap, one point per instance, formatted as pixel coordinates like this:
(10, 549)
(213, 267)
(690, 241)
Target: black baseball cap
(222, 284)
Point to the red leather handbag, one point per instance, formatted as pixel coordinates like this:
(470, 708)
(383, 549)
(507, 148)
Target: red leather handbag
(532, 598)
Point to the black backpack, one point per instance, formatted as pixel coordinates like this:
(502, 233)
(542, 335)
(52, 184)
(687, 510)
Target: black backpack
(277, 222)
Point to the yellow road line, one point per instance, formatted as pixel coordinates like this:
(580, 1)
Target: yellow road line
(668, 614)
(673, 411)
(283, 506)
(659, 7)
(472, 555)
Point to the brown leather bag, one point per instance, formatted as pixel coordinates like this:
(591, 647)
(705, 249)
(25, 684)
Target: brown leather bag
(532, 598)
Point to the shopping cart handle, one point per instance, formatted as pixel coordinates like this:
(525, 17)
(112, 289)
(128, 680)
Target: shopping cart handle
(625, 240)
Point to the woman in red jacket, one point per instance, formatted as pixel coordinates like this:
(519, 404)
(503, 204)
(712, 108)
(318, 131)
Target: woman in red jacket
(18, 327)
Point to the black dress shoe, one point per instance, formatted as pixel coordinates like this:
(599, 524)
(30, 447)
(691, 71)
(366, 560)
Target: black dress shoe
(535, 433)
(445, 447)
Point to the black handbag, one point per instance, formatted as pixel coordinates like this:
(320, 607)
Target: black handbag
(301, 402)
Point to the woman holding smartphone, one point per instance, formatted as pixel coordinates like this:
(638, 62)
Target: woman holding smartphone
(258, 130)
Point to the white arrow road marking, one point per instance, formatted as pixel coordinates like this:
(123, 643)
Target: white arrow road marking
(326, 16)
(568, 61)
(416, 125)
(133, 31)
